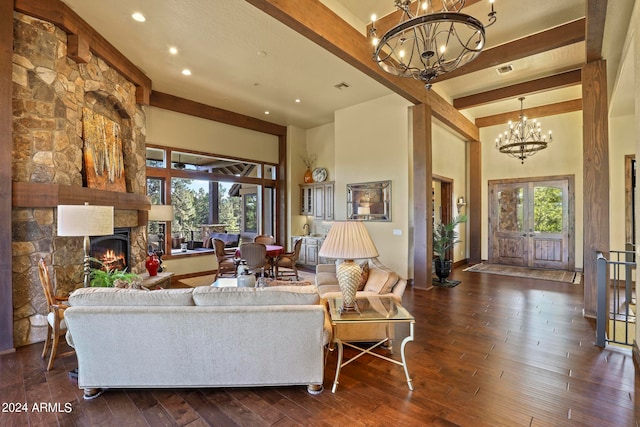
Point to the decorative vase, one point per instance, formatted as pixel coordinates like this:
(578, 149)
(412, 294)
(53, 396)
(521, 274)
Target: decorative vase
(152, 265)
(348, 274)
(443, 269)
(308, 177)
(246, 280)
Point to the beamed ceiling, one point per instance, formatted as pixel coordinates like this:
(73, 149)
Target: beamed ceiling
(261, 55)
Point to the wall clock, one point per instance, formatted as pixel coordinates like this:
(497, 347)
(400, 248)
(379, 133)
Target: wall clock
(319, 174)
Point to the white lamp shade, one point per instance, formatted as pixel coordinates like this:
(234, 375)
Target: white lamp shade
(364, 210)
(161, 213)
(85, 220)
(348, 240)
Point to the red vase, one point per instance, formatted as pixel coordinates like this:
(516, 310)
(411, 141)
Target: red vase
(152, 265)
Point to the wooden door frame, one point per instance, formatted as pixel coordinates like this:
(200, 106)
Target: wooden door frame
(571, 211)
(629, 236)
(446, 202)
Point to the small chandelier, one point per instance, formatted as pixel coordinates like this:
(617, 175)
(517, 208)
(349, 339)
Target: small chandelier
(524, 138)
(427, 42)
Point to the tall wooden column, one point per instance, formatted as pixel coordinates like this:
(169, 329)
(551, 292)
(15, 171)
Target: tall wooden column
(474, 204)
(6, 84)
(422, 200)
(595, 147)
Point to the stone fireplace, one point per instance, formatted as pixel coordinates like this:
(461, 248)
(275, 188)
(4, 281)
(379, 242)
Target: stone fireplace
(50, 91)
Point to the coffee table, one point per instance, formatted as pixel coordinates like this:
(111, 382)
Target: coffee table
(371, 309)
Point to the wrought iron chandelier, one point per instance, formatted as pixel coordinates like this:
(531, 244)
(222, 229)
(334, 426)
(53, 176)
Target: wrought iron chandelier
(427, 42)
(524, 138)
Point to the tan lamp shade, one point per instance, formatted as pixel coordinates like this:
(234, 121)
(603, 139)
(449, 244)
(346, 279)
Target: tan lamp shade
(161, 213)
(348, 240)
(85, 220)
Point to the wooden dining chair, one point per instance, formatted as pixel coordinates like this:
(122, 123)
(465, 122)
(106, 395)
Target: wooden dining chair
(56, 325)
(288, 260)
(265, 239)
(226, 261)
(255, 255)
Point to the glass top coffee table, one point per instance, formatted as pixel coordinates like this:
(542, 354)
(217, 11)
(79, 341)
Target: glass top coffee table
(371, 309)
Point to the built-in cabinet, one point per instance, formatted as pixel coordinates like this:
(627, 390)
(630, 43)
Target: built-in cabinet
(317, 200)
(309, 250)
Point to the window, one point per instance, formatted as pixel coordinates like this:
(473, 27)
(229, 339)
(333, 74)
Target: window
(207, 189)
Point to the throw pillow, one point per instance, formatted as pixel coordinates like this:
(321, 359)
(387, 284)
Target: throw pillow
(364, 277)
(381, 281)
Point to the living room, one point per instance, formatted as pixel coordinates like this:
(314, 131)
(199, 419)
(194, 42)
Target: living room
(354, 146)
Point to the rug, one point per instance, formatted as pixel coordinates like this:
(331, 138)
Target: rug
(530, 273)
(435, 281)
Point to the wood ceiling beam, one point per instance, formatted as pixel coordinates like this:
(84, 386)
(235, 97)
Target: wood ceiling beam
(321, 25)
(192, 108)
(535, 112)
(385, 23)
(596, 13)
(563, 35)
(568, 78)
(83, 39)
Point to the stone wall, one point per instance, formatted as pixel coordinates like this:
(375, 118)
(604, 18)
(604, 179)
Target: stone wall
(49, 93)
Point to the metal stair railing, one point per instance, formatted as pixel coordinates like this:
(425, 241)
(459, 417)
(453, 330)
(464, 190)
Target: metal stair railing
(615, 297)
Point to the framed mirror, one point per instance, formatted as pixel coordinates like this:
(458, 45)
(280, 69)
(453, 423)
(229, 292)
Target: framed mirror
(369, 201)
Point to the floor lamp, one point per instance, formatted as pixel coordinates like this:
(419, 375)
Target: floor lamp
(161, 214)
(85, 220)
(348, 240)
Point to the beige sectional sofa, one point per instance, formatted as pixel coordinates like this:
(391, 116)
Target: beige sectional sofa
(381, 281)
(198, 337)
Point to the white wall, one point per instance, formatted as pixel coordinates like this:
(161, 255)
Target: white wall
(449, 154)
(178, 130)
(562, 157)
(296, 146)
(621, 143)
(372, 143)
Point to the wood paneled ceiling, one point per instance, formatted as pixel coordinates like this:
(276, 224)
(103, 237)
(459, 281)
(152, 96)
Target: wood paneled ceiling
(245, 61)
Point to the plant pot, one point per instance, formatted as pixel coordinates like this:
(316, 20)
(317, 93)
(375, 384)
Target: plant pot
(443, 268)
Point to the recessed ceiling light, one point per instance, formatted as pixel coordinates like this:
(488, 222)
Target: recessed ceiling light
(262, 53)
(138, 17)
(298, 100)
(186, 72)
(267, 113)
(173, 50)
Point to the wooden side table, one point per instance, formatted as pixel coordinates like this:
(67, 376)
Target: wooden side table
(161, 279)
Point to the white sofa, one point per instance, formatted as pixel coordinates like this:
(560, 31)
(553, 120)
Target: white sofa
(198, 337)
(381, 281)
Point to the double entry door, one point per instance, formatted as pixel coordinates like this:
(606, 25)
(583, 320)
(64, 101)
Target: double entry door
(531, 222)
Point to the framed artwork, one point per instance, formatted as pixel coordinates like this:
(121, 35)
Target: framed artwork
(369, 201)
(102, 152)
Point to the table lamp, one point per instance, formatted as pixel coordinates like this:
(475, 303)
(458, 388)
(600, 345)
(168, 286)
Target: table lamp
(348, 240)
(161, 214)
(85, 220)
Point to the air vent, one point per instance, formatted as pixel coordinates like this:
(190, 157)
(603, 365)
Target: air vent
(341, 85)
(505, 69)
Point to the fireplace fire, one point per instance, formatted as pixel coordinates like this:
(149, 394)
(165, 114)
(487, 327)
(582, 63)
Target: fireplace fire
(112, 251)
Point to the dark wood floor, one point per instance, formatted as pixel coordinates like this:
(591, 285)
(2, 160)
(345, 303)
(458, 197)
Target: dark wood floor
(493, 351)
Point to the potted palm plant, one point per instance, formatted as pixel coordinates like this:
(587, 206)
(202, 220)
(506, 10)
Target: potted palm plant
(445, 237)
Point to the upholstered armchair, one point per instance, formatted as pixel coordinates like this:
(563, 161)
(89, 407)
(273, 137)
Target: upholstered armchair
(265, 239)
(226, 261)
(288, 260)
(255, 255)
